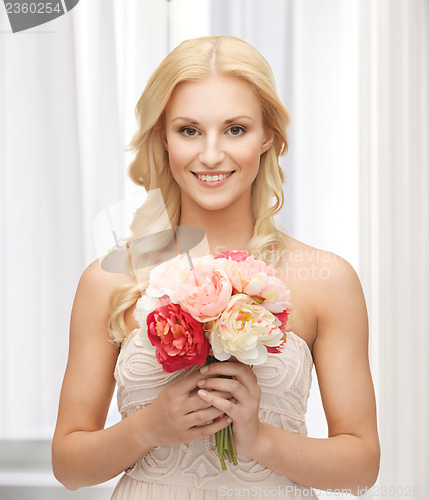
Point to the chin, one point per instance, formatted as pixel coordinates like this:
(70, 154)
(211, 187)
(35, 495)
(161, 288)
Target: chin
(211, 205)
(215, 207)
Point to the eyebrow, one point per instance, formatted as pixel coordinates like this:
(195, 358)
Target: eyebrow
(226, 122)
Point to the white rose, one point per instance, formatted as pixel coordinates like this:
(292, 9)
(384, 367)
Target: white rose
(243, 330)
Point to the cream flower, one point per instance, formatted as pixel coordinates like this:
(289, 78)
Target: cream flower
(243, 330)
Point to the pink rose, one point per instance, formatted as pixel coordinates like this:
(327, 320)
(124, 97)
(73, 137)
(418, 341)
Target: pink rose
(238, 256)
(179, 339)
(240, 272)
(253, 266)
(270, 290)
(205, 292)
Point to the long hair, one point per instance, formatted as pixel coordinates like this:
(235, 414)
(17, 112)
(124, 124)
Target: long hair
(195, 60)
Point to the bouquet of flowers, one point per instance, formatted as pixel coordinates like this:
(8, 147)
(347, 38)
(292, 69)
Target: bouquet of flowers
(223, 306)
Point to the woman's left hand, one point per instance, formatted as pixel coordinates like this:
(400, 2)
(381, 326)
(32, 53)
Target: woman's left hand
(243, 408)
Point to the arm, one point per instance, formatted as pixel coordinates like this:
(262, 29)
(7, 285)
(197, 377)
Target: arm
(83, 452)
(349, 457)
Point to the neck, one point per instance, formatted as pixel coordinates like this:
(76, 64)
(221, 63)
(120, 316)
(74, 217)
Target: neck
(230, 228)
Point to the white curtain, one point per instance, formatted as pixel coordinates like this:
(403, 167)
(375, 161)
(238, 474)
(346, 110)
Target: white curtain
(354, 76)
(394, 168)
(68, 94)
(42, 250)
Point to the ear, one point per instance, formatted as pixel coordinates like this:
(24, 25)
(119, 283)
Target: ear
(268, 140)
(164, 138)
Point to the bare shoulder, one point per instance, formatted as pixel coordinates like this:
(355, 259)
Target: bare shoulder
(330, 284)
(97, 285)
(324, 286)
(95, 275)
(323, 269)
(89, 381)
(94, 292)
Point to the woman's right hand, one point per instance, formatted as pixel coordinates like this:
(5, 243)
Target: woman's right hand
(178, 415)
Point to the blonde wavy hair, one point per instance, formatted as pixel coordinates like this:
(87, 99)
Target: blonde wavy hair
(195, 60)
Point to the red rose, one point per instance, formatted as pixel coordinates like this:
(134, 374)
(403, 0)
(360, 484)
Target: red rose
(283, 316)
(178, 337)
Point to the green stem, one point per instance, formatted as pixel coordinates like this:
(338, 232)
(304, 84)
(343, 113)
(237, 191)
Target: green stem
(234, 449)
(221, 448)
(224, 438)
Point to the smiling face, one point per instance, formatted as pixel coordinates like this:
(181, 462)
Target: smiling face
(214, 135)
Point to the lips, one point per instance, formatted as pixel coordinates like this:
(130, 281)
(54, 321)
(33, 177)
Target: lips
(213, 176)
(212, 180)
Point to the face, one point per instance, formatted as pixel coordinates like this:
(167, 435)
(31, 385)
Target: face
(214, 136)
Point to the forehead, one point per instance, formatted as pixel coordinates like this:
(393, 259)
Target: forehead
(215, 95)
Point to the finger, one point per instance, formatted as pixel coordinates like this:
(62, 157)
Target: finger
(224, 405)
(225, 395)
(195, 403)
(202, 417)
(209, 429)
(236, 369)
(186, 384)
(234, 387)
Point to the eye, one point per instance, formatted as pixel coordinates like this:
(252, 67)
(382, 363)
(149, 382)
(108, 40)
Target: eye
(188, 131)
(237, 130)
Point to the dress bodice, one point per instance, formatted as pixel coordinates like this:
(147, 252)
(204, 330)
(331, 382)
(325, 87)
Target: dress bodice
(285, 381)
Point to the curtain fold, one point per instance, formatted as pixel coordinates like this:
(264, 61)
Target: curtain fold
(42, 241)
(394, 162)
(68, 94)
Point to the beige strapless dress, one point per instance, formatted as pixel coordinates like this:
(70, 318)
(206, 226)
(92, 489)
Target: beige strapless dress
(192, 471)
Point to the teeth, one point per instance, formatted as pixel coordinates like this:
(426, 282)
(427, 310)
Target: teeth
(213, 178)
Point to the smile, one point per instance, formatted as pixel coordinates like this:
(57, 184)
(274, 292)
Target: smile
(213, 178)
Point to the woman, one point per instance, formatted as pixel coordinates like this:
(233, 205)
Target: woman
(211, 129)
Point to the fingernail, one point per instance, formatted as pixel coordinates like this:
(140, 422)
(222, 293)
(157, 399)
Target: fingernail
(204, 369)
(202, 393)
(201, 382)
(229, 420)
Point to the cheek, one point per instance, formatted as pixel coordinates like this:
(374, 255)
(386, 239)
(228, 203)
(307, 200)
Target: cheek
(247, 156)
(179, 155)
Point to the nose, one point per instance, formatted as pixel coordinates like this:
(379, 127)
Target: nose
(211, 153)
